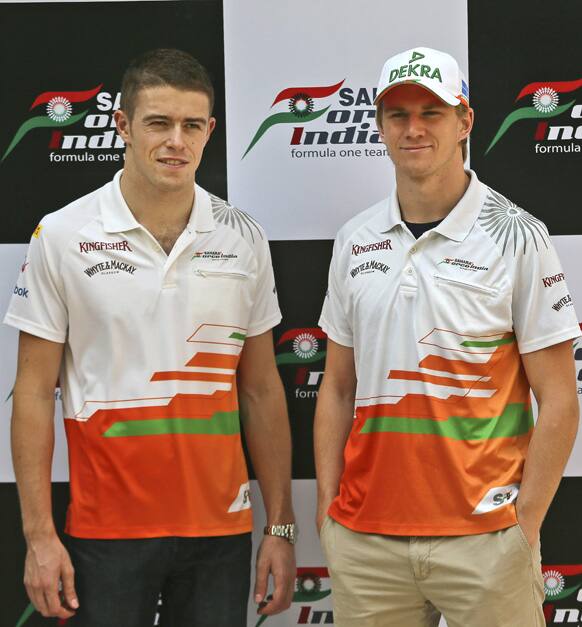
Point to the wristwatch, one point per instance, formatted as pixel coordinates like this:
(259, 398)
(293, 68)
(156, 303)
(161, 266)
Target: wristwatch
(287, 531)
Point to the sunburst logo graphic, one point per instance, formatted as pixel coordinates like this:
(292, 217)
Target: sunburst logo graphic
(507, 223)
(553, 583)
(59, 109)
(546, 100)
(305, 345)
(301, 105)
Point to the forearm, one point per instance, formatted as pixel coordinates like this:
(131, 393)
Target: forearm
(548, 452)
(32, 449)
(268, 438)
(333, 422)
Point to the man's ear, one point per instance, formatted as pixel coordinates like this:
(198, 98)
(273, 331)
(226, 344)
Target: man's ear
(467, 124)
(122, 123)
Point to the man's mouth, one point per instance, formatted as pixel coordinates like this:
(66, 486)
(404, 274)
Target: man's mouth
(172, 162)
(415, 148)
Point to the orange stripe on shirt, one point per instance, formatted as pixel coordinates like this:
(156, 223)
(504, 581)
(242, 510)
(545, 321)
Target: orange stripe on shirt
(214, 360)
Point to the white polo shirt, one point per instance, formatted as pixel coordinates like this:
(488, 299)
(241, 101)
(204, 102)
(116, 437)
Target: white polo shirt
(443, 413)
(152, 346)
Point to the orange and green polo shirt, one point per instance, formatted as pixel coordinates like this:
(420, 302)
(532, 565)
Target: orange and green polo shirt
(152, 344)
(442, 416)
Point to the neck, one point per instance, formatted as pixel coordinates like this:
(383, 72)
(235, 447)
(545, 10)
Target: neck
(431, 198)
(153, 206)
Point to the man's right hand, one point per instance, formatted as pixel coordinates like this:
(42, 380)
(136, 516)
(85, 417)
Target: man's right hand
(49, 578)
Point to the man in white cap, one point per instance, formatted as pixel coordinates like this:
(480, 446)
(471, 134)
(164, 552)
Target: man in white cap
(446, 305)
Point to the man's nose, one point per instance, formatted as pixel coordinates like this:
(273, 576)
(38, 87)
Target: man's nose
(175, 136)
(416, 127)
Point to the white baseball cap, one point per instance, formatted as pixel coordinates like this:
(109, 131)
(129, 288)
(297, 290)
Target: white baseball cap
(435, 70)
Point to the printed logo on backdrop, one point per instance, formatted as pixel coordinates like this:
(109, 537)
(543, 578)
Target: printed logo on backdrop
(331, 121)
(85, 135)
(557, 107)
(303, 348)
(563, 590)
(309, 591)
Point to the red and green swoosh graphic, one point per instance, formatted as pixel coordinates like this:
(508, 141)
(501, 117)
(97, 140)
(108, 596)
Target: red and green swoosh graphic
(301, 108)
(524, 113)
(44, 121)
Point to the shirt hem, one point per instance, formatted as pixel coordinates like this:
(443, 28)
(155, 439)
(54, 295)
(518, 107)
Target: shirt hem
(264, 326)
(33, 329)
(338, 338)
(509, 520)
(95, 533)
(549, 340)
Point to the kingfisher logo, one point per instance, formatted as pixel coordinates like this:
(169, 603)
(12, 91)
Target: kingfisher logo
(309, 590)
(563, 590)
(97, 132)
(547, 103)
(300, 347)
(346, 127)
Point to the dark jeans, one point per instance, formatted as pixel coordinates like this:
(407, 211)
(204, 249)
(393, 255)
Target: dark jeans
(204, 582)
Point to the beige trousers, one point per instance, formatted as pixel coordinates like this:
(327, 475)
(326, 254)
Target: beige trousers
(486, 580)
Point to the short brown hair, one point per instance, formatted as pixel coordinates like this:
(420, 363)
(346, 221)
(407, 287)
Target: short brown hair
(461, 110)
(164, 67)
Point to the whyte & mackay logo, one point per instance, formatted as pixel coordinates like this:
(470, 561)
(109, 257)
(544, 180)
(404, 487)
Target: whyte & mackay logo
(546, 104)
(94, 131)
(346, 125)
(309, 590)
(300, 347)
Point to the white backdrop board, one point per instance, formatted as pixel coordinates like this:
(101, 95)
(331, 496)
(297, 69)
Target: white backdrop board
(335, 168)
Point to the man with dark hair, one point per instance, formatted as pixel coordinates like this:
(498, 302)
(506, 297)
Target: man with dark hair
(164, 67)
(155, 301)
(446, 304)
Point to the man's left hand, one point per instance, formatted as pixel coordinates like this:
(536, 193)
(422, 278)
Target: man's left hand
(276, 557)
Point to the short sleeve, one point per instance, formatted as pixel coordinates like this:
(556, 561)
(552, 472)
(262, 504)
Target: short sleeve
(334, 320)
(37, 305)
(265, 313)
(543, 310)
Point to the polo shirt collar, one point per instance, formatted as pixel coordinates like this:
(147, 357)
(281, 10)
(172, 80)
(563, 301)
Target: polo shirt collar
(117, 216)
(458, 224)
(459, 221)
